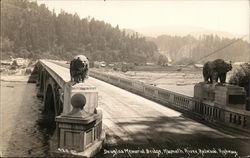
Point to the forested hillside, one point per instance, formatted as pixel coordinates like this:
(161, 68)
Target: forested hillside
(188, 48)
(32, 31)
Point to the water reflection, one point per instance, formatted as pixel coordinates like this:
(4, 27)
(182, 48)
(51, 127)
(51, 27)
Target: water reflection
(47, 127)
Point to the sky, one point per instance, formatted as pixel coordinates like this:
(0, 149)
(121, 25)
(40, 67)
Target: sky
(221, 15)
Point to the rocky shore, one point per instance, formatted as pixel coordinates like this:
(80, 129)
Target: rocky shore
(10, 72)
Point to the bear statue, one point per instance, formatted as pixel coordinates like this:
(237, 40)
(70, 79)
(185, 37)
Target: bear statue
(214, 70)
(79, 67)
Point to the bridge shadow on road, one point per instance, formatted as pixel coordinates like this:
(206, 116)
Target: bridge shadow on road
(175, 133)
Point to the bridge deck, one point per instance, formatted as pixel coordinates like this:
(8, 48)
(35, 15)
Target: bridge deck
(134, 119)
(63, 72)
(131, 119)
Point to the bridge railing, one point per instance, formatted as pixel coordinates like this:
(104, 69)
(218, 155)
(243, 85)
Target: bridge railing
(186, 104)
(61, 82)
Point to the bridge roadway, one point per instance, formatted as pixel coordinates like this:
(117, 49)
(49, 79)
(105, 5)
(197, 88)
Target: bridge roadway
(132, 120)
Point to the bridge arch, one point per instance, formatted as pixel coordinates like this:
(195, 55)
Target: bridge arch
(49, 112)
(49, 102)
(52, 105)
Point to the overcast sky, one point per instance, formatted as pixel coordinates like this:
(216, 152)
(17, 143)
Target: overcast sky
(222, 15)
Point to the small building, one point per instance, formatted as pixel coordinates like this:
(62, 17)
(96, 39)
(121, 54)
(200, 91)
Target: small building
(99, 64)
(5, 62)
(20, 62)
(198, 65)
(238, 63)
(150, 64)
(103, 64)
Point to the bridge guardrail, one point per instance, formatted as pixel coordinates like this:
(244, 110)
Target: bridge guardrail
(180, 102)
(57, 78)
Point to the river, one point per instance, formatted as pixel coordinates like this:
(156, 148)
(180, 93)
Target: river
(21, 133)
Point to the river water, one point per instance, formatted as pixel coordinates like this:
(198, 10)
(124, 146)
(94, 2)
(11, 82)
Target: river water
(21, 133)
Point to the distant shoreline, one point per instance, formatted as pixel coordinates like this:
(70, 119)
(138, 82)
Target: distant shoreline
(15, 78)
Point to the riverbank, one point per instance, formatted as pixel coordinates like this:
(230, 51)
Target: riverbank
(15, 78)
(19, 74)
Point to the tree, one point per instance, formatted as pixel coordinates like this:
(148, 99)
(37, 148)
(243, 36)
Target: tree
(241, 78)
(162, 60)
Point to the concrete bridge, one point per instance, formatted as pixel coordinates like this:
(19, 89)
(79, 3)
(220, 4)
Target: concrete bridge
(155, 118)
(74, 108)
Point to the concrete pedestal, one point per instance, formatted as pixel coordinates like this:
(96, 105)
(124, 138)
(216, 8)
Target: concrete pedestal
(80, 125)
(230, 96)
(222, 95)
(79, 133)
(204, 92)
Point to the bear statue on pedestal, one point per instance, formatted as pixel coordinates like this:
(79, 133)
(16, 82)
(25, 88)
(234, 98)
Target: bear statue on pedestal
(214, 70)
(79, 67)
